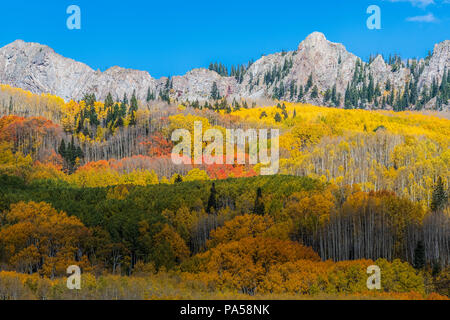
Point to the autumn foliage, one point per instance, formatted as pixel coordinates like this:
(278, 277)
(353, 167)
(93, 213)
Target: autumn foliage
(37, 238)
(91, 183)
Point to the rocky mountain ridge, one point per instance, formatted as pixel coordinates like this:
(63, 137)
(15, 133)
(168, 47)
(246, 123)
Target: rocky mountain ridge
(319, 72)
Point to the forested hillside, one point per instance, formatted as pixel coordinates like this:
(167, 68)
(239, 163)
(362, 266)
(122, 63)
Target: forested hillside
(91, 183)
(189, 228)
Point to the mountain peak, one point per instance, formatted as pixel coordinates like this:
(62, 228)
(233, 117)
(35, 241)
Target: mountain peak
(315, 39)
(444, 45)
(316, 36)
(17, 42)
(21, 45)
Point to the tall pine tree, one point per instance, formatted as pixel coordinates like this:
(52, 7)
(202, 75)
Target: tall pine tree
(440, 197)
(259, 204)
(419, 256)
(212, 201)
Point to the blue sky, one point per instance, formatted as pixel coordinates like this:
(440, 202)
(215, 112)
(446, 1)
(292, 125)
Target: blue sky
(172, 37)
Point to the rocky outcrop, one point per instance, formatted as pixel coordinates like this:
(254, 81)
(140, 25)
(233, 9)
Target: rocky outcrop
(197, 85)
(329, 64)
(38, 68)
(437, 64)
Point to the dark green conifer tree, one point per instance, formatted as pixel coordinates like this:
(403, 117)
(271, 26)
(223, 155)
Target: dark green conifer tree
(419, 256)
(212, 200)
(277, 117)
(439, 197)
(259, 204)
